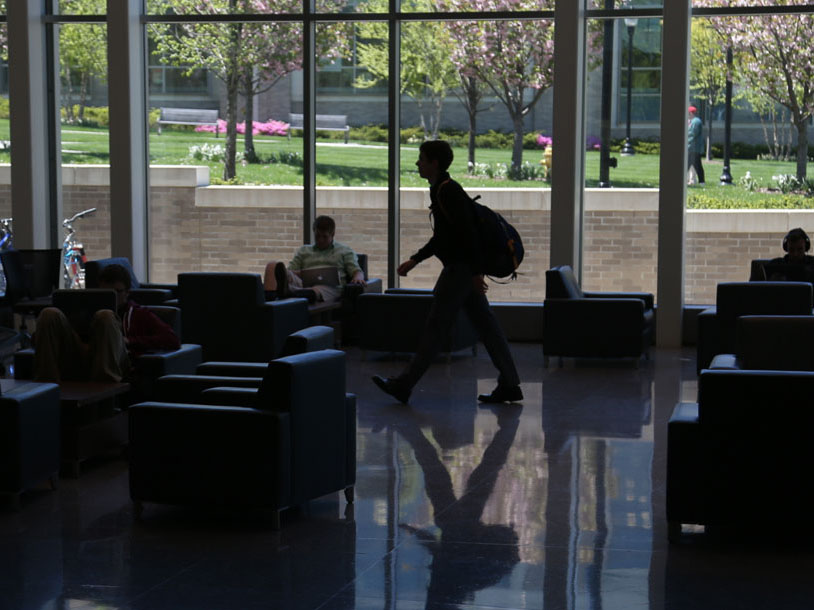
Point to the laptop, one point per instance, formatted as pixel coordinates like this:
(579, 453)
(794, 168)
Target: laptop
(788, 272)
(79, 306)
(323, 276)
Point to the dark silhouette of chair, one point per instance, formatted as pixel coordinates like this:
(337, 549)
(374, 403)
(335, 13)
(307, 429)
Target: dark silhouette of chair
(594, 324)
(226, 313)
(31, 276)
(29, 437)
(717, 325)
(290, 441)
(140, 292)
(735, 456)
(774, 343)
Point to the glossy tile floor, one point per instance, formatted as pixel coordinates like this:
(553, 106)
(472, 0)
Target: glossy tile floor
(555, 504)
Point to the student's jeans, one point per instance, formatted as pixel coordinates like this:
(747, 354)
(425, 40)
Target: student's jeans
(454, 290)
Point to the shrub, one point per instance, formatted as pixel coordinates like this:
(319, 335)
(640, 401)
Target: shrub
(702, 201)
(748, 182)
(4, 112)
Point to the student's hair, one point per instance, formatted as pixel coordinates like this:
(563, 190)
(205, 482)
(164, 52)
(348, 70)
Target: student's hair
(795, 235)
(325, 223)
(438, 150)
(110, 274)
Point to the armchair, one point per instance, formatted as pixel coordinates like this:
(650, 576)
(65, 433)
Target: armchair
(594, 324)
(148, 367)
(290, 441)
(141, 292)
(735, 456)
(717, 325)
(29, 436)
(226, 313)
(393, 321)
(775, 343)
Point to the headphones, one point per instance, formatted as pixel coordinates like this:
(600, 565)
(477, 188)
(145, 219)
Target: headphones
(793, 235)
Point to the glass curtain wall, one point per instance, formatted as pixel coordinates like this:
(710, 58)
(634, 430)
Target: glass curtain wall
(757, 184)
(81, 35)
(5, 135)
(622, 129)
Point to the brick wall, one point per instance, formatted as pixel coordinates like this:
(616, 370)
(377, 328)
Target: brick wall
(194, 227)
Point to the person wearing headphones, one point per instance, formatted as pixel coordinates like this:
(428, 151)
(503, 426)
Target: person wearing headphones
(795, 264)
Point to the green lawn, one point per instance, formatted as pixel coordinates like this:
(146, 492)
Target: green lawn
(365, 164)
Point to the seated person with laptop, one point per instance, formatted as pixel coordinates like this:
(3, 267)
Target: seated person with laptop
(323, 267)
(796, 265)
(97, 345)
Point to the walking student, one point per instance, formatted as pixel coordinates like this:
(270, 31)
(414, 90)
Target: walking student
(461, 283)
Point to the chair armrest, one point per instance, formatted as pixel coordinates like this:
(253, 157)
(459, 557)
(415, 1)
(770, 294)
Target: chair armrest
(685, 466)
(235, 397)
(644, 296)
(725, 361)
(232, 369)
(181, 361)
(187, 388)
(311, 339)
(709, 338)
(278, 319)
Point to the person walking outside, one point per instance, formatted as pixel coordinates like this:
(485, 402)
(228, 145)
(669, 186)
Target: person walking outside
(695, 145)
(461, 282)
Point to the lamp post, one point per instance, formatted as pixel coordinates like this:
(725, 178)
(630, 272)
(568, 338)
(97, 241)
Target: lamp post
(627, 147)
(726, 176)
(605, 159)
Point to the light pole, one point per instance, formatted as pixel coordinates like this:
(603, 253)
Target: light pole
(627, 147)
(726, 176)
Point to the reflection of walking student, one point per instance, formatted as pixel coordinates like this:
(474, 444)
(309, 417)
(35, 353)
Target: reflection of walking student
(695, 145)
(460, 286)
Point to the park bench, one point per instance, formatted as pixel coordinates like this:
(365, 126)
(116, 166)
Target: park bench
(324, 122)
(188, 116)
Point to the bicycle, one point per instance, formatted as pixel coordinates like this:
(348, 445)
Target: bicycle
(73, 254)
(6, 243)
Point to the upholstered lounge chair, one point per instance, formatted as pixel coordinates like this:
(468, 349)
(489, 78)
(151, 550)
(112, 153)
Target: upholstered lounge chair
(285, 444)
(594, 324)
(142, 293)
(717, 325)
(227, 314)
(774, 343)
(735, 456)
(29, 437)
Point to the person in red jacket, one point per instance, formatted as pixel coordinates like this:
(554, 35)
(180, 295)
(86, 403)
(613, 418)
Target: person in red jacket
(60, 354)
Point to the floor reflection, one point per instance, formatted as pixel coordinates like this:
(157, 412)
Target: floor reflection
(557, 504)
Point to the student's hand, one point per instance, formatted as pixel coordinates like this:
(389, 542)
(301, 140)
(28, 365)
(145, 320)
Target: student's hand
(479, 284)
(358, 278)
(405, 267)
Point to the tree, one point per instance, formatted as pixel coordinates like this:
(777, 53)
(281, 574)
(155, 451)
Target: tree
(707, 71)
(778, 62)
(514, 58)
(427, 74)
(471, 94)
(247, 58)
(82, 56)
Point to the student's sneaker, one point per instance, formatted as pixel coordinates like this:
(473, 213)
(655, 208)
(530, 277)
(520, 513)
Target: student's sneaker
(503, 394)
(392, 387)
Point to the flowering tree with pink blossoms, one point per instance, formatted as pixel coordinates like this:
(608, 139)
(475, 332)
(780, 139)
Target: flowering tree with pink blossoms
(248, 58)
(514, 58)
(778, 60)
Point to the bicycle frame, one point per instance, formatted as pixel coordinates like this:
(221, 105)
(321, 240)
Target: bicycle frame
(73, 254)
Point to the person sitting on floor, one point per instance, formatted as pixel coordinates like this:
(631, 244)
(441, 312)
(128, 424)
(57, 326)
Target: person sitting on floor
(324, 252)
(115, 337)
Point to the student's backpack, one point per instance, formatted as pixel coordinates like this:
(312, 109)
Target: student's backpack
(502, 246)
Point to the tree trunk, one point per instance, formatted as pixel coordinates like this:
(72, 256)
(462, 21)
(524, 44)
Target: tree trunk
(83, 95)
(232, 88)
(517, 148)
(802, 148)
(248, 137)
(471, 144)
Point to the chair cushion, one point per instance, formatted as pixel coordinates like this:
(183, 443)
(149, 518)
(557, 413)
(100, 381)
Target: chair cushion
(776, 343)
(561, 283)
